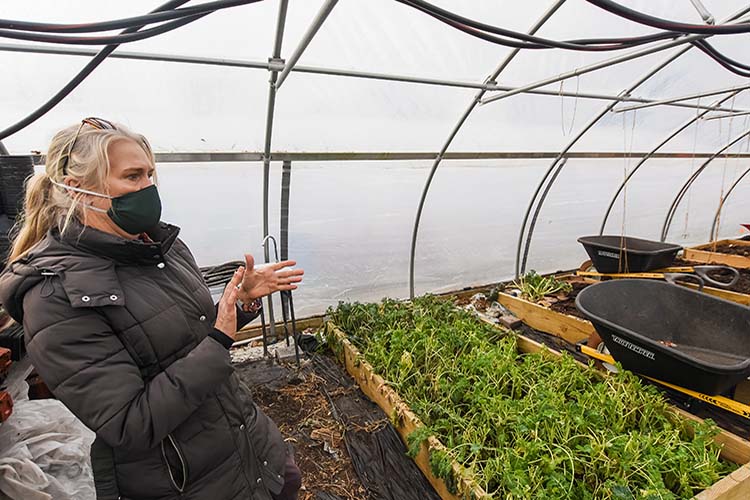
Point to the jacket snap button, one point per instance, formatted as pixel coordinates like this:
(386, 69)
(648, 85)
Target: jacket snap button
(242, 427)
(258, 480)
(202, 318)
(113, 297)
(160, 265)
(85, 298)
(265, 463)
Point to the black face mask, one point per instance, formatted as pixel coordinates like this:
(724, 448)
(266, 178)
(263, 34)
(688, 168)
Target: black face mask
(134, 213)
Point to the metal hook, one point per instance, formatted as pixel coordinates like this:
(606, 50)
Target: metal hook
(275, 246)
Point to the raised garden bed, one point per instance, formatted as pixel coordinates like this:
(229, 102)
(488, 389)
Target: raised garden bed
(564, 330)
(735, 253)
(525, 425)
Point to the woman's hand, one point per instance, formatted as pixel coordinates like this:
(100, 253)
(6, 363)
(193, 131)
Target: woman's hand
(226, 313)
(267, 279)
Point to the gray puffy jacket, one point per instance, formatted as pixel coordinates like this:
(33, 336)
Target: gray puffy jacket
(119, 331)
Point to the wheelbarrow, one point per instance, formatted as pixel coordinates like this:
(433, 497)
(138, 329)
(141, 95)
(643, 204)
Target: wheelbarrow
(671, 333)
(625, 254)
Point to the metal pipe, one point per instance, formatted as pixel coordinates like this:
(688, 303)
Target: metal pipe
(604, 64)
(284, 319)
(714, 234)
(728, 115)
(521, 267)
(653, 154)
(280, 23)
(685, 187)
(320, 18)
(683, 98)
(236, 63)
(412, 253)
(703, 12)
(210, 157)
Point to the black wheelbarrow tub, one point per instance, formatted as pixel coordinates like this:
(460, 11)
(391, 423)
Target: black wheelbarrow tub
(624, 254)
(671, 333)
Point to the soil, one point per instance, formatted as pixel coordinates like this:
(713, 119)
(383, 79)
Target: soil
(566, 304)
(344, 444)
(742, 286)
(731, 249)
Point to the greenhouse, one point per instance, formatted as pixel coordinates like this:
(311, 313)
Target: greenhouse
(394, 250)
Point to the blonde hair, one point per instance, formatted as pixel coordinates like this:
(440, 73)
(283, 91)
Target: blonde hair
(47, 206)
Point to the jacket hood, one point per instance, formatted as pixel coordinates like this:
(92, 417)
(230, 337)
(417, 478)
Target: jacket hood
(84, 260)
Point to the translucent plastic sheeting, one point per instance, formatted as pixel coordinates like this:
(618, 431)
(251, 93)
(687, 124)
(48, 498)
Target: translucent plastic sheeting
(209, 108)
(350, 223)
(575, 206)
(178, 107)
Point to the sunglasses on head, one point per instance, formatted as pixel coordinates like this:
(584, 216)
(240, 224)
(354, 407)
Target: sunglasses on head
(91, 121)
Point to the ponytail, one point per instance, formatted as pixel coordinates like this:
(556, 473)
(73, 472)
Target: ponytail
(37, 216)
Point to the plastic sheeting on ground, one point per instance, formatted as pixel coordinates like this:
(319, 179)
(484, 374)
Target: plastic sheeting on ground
(44, 451)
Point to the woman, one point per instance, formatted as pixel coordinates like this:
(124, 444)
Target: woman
(122, 328)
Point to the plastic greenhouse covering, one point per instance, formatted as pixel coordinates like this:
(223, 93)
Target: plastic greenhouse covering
(351, 220)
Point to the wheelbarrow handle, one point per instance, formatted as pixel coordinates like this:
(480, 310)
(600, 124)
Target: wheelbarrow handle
(703, 271)
(675, 277)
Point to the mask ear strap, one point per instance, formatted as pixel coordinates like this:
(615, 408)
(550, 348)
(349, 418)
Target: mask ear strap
(84, 191)
(79, 190)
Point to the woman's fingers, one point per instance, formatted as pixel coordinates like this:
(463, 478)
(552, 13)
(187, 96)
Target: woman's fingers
(292, 272)
(283, 264)
(230, 292)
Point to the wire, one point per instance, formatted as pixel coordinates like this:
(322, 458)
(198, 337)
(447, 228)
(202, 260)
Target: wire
(76, 80)
(527, 41)
(127, 22)
(517, 40)
(721, 59)
(101, 40)
(665, 24)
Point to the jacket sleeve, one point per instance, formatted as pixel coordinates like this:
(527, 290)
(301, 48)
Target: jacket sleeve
(87, 367)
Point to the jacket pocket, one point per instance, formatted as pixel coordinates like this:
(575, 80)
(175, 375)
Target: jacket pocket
(174, 460)
(270, 449)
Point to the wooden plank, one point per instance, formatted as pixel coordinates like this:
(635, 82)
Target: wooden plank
(404, 420)
(735, 486)
(733, 448)
(705, 255)
(708, 246)
(567, 327)
(739, 298)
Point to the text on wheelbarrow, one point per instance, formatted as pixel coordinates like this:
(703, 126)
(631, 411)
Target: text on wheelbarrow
(640, 350)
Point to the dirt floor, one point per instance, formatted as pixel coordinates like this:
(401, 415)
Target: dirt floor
(344, 444)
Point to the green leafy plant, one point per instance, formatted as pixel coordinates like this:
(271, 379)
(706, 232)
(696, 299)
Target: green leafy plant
(535, 287)
(529, 425)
